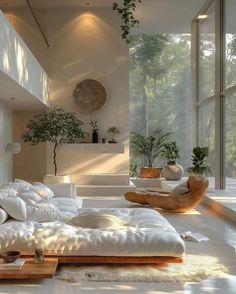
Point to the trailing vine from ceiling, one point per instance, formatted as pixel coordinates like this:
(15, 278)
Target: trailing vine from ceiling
(126, 12)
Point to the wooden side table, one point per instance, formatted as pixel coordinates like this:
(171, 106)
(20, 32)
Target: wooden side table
(32, 270)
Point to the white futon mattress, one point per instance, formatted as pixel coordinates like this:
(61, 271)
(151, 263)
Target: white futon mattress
(147, 233)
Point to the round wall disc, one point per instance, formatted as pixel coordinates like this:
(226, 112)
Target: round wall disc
(89, 95)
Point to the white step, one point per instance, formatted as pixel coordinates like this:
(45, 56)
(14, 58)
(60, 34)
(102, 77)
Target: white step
(101, 190)
(102, 179)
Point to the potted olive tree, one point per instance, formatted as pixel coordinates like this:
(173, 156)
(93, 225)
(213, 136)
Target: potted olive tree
(172, 170)
(57, 127)
(150, 147)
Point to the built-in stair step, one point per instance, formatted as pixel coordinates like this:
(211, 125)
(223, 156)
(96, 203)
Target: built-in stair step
(223, 202)
(103, 179)
(103, 190)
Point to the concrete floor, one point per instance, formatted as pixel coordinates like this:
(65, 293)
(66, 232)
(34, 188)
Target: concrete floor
(196, 219)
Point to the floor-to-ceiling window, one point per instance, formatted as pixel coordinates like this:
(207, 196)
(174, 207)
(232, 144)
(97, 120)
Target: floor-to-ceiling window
(161, 90)
(215, 92)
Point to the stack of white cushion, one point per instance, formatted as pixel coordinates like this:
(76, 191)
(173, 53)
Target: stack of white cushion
(19, 198)
(35, 202)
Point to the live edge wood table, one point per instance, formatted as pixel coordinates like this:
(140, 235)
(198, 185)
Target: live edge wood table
(32, 270)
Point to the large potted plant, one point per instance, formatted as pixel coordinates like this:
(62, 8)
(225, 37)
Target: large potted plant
(199, 160)
(57, 127)
(172, 170)
(151, 147)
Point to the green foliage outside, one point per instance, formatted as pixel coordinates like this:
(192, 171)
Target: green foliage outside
(161, 90)
(56, 126)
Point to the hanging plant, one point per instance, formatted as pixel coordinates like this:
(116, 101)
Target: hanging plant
(126, 13)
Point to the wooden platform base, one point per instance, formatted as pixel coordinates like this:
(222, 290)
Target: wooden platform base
(116, 259)
(32, 270)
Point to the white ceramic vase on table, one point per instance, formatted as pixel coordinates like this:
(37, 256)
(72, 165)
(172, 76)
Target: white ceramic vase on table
(173, 171)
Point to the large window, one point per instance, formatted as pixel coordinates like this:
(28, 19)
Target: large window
(214, 36)
(161, 89)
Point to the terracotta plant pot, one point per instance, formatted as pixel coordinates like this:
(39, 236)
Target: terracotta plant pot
(150, 172)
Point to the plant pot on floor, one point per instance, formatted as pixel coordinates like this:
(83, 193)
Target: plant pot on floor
(173, 171)
(51, 179)
(150, 172)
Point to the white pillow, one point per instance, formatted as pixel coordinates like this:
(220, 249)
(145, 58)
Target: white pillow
(23, 182)
(31, 195)
(19, 187)
(97, 220)
(15, 207)
(43, 191)
(181, 189)
(43, 212)
(3, 216)
(8, 191)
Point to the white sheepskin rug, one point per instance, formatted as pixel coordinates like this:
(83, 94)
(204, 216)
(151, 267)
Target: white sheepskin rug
(213, 258)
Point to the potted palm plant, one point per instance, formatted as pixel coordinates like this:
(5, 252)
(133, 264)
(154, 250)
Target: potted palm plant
(172, 170)
(57, 127)
(199, 160)
(150, 147)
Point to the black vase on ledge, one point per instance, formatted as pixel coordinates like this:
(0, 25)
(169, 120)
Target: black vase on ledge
(95, 136)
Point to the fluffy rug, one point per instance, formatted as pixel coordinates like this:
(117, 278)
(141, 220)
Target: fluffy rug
(213, 258)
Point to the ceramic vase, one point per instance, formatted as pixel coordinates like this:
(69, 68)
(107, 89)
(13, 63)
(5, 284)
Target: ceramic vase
(173, 171)
(95, 137)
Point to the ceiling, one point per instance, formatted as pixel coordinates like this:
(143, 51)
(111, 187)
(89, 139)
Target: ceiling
(155, 15)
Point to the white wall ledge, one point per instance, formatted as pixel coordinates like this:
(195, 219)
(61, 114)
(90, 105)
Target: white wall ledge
(93, 148)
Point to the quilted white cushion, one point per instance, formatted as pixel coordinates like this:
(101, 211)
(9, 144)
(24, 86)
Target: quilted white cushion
(15, 207)
(29, 196)
(3, 216)
(97, 220)
(8, 191)
(23, 182)
(19, 187)
(42, 190)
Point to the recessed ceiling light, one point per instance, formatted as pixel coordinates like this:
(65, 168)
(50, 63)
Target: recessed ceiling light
(202, 16)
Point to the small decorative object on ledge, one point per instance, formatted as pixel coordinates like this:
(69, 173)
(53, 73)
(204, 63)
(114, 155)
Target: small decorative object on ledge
(172, 171)
(126, 13)
(114, 131)
(94, 125)
(89, 95)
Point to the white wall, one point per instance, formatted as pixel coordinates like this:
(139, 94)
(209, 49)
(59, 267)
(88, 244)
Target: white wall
(87, 44)
(5, 138)
(83, 44)
(17, 61)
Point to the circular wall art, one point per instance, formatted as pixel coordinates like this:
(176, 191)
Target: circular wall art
(89, 95)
